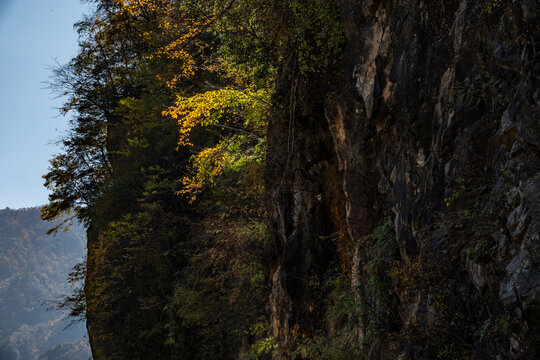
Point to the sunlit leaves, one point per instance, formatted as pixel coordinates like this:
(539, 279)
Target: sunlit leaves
(238, 116)
(174, 38)
(224, 106)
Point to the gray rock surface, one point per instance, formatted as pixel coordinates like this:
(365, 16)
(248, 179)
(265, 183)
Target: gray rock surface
(431, 117)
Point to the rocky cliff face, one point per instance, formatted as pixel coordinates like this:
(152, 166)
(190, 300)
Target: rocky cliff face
(429, 119)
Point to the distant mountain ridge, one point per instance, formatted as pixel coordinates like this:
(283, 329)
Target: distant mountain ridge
(33, 272)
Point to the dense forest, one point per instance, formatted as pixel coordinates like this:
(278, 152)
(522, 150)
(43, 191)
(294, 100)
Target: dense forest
(304, 179)
(34, 270)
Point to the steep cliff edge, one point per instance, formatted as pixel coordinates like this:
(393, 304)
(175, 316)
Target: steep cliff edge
(430, 119)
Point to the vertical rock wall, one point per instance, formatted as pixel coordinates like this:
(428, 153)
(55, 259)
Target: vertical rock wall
(431, 118)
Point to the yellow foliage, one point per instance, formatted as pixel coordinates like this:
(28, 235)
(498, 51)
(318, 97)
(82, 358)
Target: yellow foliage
(210, 107)
(135, 7)
(175, 36)
(176, 40)
(208, 165)
(240, 112)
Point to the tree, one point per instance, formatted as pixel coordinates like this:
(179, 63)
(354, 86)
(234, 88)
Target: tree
(166, 102)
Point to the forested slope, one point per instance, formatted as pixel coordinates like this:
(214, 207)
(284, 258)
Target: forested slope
(34, 270)
(305, 179)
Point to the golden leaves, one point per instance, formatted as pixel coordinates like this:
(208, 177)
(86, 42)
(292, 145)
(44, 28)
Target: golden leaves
(239, 114)
(135, 7)
(214, 107)
(174, 37)
(208, 165)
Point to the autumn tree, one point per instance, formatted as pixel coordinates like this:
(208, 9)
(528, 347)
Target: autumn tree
(163, 162)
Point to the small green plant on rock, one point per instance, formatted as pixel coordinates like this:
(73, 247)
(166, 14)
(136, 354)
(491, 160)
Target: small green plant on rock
(480, 252)
(367, 307)
(265, 347)
(318, 31)
(491, 6)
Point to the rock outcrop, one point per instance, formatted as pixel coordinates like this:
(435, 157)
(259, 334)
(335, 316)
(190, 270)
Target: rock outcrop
(431, 118)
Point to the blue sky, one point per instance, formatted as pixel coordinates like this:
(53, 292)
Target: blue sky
(33, 33)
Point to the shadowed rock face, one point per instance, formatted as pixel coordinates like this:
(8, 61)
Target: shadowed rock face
(431, 118)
